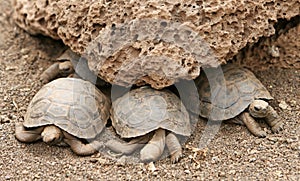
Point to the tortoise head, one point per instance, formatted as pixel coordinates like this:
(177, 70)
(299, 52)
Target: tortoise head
(65, 68)
(52, 135)
(259, 108)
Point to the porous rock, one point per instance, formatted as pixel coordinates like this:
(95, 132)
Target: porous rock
(226, 26)
(281, 50)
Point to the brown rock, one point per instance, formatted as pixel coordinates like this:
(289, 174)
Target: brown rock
(225, 26)
(281, 50)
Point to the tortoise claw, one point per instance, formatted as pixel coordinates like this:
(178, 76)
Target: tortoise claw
(277, 128)
(174, 147)
(261, 134)
(176, 156)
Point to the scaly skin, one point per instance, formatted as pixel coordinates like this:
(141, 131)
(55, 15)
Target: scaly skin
(252, 125)
(54, 136)
(130, 147)
(152, 151)
(155, 147)
(55, 70)
(80, 148)
(59, 69)
(273, 120)
(174, 147)
(27, 135)
(50, 73)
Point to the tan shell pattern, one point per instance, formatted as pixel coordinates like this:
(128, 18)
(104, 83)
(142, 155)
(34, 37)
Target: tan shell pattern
(143, 110)
(233, 90)
(74, 105)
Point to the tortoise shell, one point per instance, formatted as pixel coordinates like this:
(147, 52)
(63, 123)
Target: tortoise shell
(143, 110)
(225, 94)
(74, 105)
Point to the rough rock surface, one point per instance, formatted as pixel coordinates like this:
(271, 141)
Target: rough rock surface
(281, 50)
(226, 26)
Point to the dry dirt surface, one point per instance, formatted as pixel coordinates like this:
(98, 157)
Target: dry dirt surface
(233, 154)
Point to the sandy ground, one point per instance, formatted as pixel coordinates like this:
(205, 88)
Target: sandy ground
(233, 154)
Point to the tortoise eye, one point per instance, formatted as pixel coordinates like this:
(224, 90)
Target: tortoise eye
(67, 69)
(256, 108)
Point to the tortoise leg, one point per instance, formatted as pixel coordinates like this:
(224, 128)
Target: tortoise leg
(252, 125)
(174, 147)
(155, 147)
(80, 148)
(273, 120)
(130, 147)
(27, 135)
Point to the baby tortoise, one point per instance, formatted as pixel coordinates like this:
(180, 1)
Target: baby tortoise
(66, 111)
(236, 93)
(142, 111)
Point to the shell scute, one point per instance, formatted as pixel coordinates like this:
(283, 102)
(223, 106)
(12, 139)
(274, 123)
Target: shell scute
(143, 110)
(74, 105)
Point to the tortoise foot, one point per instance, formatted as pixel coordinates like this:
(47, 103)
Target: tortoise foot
(176, 156)
(174, 147)
(260, 133)
(277, 127)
